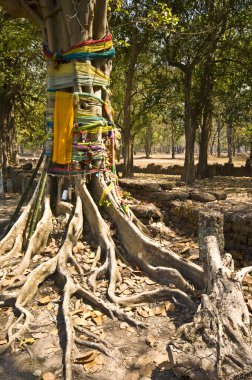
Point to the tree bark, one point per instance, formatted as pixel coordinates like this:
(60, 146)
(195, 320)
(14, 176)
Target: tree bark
(230, 143)
(207, 84)
(127, 122)
(190, 131)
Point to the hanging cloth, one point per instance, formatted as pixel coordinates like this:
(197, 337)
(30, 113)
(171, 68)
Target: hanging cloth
(63, 127)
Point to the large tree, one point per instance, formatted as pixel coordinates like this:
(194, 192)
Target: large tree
(79, 50)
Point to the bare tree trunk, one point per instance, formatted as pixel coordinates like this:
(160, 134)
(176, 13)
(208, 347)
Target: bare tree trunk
(1, 172)
(127, 122)
(190, 132)
(128, 155)
(204, 140)
(218, 137)
(230, 143)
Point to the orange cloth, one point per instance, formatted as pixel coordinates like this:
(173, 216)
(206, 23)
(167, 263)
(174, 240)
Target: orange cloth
(63, 127)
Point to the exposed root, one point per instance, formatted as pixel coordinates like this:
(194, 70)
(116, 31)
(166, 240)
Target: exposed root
(89, 334)
(39, 238)
(157, 295)
(16, 249)
(8, 242)
(145, 253)
(140, 250)
(217, 345)
(93, 345)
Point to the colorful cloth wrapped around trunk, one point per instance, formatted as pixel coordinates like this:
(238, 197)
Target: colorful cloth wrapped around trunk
(63, 127)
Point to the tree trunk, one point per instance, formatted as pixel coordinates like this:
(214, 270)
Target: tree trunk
(190, 132)
(172, 134)
(128, 156)
(207, 109)
(204, 140)
(148, 141)
(1, 172)
(230, 143)
(127, 122)
(218, 137)
(7, 128)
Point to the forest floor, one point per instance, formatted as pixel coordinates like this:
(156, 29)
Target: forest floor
(135, 353)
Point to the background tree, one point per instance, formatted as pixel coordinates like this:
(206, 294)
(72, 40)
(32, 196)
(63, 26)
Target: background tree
(197, 37)
(134, 25)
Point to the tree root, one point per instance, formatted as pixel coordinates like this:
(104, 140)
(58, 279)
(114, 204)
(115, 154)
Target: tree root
(39, 238)
(217, 345)
(146, 253)
(105, 264)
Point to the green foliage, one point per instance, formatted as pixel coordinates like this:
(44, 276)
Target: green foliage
(22, 77)
(161, 17)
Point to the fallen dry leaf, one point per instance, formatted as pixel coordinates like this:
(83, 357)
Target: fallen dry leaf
(129, 282)
(92, 367)
(48, 376)
(169, 306)
(98, 320)
(97, 313)
(78, 304)
(143, 313)
(100, 360)
(160, 310)
(44, 300)
(247, 279)
(88, 357)
(193, 257)
(102, 284)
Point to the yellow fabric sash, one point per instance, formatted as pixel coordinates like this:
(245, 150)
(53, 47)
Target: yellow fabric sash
(63, 127)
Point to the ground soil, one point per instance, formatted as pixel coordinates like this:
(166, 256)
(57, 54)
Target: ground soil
(135, 353)
(166, 160)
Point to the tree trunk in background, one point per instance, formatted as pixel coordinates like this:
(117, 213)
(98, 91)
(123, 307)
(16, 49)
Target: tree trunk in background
(172, 133)
(230, 143)
(218, 137)
(207, 108)
(128, 155)
(127, 122)
(148, 140)
(1, 172)
(190, 132)
(7, 132)
(204, 140)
